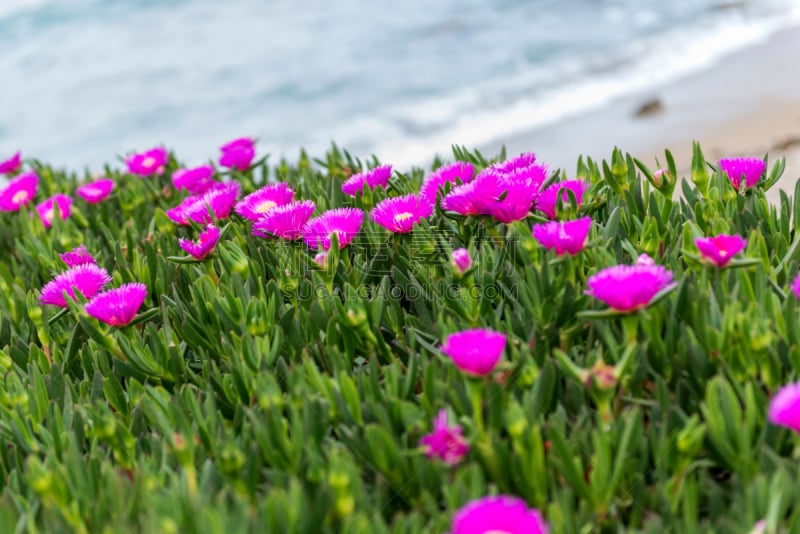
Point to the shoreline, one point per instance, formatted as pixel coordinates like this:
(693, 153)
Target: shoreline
(746, 104)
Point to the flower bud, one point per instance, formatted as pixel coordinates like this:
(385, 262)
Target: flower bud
(461, 260)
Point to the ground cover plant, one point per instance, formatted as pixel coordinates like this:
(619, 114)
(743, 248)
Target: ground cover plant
(336, 345)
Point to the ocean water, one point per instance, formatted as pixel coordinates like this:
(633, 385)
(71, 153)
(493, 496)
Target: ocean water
(83, 82)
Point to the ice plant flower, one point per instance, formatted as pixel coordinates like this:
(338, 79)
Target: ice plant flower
(285, 221)
(178, 213)
(501, 514)
(743, 171)
(238, 154)
(19, 191)
(720, 249)
(47, 208)
(476, 352)
(461, 260)
(796, 286)
(196, 180)
(205, 244)
(149, 162)
(784, 408)
(11, 165)
(445, 442)
(96, 191)
(523, 161)
(259, 202)
(512, 198)
(87, 278)
(77, 256)
(373, 178)
(629, 287)
(399, 214)
(458, 171)
(548, 199)
(564, 237)
(505, 196)
(344, 222)
(118, 306)
(220, 200)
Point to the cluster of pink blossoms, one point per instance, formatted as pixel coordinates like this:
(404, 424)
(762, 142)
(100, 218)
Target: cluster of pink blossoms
(116, 307)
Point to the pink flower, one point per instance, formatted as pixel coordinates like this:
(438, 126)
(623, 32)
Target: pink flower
(96, 191)
(373, 178)
(118, 306)
(87, 278)
(19, 191)
(238, 154)
(344, 222)
(47, 208)
(784, 408)
(476, 352)
(501, 514)
(445, 442)
(461, 260)
(259, 202)
(795, 287)
(178, 213)
(77, 256)
(399, 214)
(321, 259)
(548, 198)
(285, 221)
(505, 196)
(149, 162)
(458, 171)
(567, 237)
(629, 287)
(206, 242)
(747, 171)
(196, 180)
(220, 200)
(11, 165)
(720, 249)
(523, 161)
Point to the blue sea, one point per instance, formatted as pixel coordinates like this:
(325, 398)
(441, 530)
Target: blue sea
(83, 82)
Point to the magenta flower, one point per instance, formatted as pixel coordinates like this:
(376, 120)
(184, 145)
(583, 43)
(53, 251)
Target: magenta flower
(567, 237)
(77, 256)
(747, 171)
(344, 222)
(501, 514)
(399, 214)
(205, 244)
(548, 198)
(452, 173)
(238, 154)
(523, 161)
(513, 198)
(96, 191)
(461, 260)
(465, 199)
(795, 287)
(87, 278)
(259, 202)
(373, 178)
(19, 191)
(196, 180)
(784, 408)
(219, 200)
(445, 442)
(118, 306)
(178, 213)
(506, 197)
(476, 352)
(285, 221)
(720, 249)
(629, 287)
(11, 165)
(47, 208)
(149, 162)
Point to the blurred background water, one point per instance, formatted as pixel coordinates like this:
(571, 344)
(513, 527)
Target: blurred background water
(84, 81)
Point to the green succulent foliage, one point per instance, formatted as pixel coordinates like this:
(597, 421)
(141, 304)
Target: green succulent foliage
(258, 391)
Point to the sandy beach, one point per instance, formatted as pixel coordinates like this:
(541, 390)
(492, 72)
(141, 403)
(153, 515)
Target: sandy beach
(748, 104)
